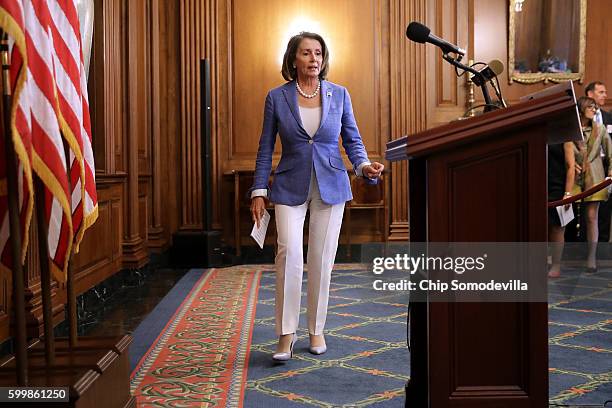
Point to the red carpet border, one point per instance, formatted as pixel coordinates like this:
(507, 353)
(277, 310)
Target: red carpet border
(200, 358)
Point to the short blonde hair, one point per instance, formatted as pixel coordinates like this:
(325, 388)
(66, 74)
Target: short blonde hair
(288, 71)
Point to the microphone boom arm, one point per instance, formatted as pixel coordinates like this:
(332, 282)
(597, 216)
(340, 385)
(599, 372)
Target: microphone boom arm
(478, 74)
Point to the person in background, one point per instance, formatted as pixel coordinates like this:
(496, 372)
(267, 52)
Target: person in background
(309, 114)
(590, 169)
(561, 174)
(598, 92)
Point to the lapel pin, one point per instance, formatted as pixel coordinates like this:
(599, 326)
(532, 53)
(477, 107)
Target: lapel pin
(328, 94)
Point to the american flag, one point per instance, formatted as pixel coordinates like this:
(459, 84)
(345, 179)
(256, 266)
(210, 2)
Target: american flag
(53, 108)
(13, 23)
(71, 80)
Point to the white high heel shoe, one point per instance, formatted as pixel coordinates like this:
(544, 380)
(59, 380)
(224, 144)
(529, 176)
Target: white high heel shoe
(285, 355)
(318, 349)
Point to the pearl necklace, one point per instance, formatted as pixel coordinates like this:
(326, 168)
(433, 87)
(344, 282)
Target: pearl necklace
(304, 94)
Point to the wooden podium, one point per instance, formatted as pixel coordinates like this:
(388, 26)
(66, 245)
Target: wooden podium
(482, 180)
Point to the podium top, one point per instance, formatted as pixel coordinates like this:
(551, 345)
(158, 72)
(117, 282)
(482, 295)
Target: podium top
(555, 107)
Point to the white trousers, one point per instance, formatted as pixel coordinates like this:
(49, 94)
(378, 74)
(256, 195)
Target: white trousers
(323, 232)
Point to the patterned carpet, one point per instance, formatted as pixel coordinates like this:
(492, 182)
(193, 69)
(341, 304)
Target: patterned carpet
(580, 338)
(367, 363)
(199, 358)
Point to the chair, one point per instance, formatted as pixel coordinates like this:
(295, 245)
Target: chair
(368, 197)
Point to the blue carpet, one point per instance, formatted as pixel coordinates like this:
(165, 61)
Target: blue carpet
(366, 336)
(148, 330)
(367, 353)
(580, 338)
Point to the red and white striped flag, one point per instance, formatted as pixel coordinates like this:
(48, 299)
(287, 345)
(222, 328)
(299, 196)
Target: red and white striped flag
(74, 112)
(54, 104)
(12, 22)
(48, 153)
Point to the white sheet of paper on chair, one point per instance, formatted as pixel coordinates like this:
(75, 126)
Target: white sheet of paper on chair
(259, 234)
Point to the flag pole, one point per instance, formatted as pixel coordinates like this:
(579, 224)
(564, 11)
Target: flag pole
(45, 273)
(70, 292)
(72, 312)
(14, 220)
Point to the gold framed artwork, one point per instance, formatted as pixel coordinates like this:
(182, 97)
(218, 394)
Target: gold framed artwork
(546, 40)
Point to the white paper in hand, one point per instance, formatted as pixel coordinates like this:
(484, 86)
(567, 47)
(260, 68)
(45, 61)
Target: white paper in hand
(565, 215)
(259, 234)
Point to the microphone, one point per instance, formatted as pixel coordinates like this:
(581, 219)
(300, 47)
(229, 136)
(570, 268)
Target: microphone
(490, 71)
(493, 69)
(417, 32)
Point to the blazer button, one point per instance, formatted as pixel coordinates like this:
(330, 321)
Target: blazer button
(310, 141)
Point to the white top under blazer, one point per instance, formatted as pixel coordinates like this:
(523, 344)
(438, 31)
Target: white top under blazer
(311, 121)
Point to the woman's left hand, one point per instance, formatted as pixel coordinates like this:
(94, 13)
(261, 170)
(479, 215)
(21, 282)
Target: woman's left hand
(373, 170)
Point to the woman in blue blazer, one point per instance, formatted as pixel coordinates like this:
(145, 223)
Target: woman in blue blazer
(309, 114)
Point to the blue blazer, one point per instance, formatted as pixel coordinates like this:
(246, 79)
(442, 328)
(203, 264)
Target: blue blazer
(300, 153)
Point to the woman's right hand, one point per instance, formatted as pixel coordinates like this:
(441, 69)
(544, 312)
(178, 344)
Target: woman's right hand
(258, 207)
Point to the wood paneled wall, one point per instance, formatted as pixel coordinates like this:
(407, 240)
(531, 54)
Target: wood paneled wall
(491, 34)
(133, 103)
(191, 14)
(145, 103)
(408, 93)
(398, 87)
(356, 62)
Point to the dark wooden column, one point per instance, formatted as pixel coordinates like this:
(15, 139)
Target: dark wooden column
(191, 182)
(408, 96)
(192, 244)
(134, 248)
(156, 230)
